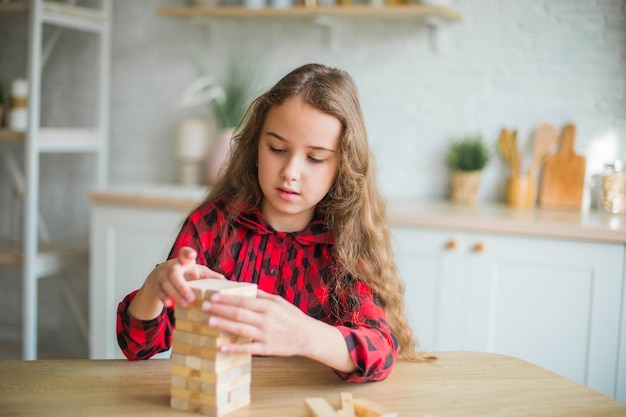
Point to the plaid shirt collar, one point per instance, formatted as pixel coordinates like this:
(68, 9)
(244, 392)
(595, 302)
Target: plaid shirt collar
(315, 233)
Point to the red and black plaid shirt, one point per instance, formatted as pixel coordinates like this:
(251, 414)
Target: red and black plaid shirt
(297, 266)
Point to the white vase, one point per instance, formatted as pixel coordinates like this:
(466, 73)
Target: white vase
(254, 4)
(193, 140)
(218, 155)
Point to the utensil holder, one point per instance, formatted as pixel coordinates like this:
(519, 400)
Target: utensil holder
(521, 191)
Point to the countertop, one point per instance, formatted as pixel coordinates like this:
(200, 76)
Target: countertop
(591, 225)
(457, 384)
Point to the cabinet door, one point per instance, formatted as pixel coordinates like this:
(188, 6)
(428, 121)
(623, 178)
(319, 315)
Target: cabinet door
(126, 244)
(552, 302)
(425, 258)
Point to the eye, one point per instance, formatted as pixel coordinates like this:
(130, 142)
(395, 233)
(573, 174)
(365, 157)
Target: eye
(315, 160)
(276, 150)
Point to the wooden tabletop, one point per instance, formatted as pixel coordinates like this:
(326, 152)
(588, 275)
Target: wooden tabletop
(457, 384)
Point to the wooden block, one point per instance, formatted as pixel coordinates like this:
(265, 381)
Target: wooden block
(196, 327)
(204, 288)
(180, 404)
(319, 407)
(347, 405)
(212, 342)
(205, 376)
(227, 387)
(231, 361)
(199, 397)
(366, 408)
(192, 314)
(220, 411)
(239, 393)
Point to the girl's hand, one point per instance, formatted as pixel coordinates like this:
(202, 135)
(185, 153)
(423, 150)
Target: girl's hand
(276, 327)
(168, 281)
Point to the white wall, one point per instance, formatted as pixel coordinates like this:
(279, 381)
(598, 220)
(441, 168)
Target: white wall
(507, 63)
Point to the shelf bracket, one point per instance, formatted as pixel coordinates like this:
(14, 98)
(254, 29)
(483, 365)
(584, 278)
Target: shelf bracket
(331, 27)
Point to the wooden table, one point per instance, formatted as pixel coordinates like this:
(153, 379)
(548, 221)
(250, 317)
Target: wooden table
(457, 384)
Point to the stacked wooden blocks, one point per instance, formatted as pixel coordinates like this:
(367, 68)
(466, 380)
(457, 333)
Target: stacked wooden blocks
(205, 380)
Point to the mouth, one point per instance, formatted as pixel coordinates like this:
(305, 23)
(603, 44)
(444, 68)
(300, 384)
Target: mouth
(286, 193)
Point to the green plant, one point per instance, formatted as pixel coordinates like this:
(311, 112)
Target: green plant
(468, 154)
(229, 100)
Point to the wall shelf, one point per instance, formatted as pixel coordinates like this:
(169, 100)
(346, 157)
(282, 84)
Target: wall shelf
(396, 12)
(326, 16)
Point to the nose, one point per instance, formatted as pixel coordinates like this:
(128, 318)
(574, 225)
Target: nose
(291, 169)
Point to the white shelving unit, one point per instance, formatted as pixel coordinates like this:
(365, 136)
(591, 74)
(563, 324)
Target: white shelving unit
(34, 258)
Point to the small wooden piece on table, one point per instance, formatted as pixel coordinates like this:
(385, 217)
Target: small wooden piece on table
(204, 379)
(319, 407)
(366, 408)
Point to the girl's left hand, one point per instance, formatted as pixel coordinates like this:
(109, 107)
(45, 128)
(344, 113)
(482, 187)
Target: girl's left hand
(276, 327)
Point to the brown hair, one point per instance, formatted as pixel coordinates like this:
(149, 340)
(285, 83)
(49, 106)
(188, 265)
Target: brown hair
(354, 210)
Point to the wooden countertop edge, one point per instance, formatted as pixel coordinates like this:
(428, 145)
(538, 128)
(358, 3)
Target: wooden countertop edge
(523, 228)
(151, 202)
(487, 217)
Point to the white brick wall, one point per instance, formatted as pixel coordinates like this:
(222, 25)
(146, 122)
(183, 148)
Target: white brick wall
(507, 63)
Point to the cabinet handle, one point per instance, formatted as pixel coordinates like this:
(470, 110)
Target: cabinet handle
(451, 244)
(479, 247)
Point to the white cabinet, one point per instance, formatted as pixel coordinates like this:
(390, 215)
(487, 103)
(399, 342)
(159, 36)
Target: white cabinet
(126, 244)
(556, 303)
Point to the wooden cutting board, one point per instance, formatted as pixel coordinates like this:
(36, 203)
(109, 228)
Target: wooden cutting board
(563, 175)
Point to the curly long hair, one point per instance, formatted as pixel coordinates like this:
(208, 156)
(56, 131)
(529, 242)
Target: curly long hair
(354, 210)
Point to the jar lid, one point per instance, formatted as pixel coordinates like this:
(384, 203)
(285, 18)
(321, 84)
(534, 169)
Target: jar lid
(19, 88)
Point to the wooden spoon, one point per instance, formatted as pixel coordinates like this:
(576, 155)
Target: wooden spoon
(516, 154)
(504, 146)
(544, 139)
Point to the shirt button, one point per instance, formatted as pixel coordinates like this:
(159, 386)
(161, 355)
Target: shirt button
(273, 272)
(281, 240)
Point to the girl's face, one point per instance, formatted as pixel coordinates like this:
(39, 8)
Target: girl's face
(298, 162)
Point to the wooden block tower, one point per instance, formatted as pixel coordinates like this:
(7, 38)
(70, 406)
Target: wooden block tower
(205, 380)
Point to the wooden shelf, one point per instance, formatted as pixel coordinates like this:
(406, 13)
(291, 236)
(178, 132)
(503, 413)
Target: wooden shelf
(396, 12)
(51, 259)
(61, 140)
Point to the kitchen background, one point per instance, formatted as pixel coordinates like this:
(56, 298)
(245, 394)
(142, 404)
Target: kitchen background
(506, 63)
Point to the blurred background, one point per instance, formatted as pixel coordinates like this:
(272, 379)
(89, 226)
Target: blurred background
(423, 83)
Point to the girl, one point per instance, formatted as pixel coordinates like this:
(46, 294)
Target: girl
(296, 211)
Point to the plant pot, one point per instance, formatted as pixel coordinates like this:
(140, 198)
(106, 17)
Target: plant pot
(464, 187)
(218, 155)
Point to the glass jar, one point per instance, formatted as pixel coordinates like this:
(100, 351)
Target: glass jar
(18, 111)
(613, 190)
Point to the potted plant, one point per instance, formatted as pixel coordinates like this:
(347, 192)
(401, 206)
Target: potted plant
(466, 158)
(228, 101)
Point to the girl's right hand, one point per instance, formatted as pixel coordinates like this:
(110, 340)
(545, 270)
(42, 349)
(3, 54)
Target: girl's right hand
(168, 281)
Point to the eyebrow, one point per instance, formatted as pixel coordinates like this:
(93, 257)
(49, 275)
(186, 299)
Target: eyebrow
(277, 136)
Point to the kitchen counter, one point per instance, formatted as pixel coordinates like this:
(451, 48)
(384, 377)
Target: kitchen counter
(592, 225)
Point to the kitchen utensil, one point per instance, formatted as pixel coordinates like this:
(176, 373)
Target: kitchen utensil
(505, 147)
(516, 154)
(563, 175)
(543, 141)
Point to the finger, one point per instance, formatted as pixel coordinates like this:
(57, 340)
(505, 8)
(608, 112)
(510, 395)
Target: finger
(253, 348)
(240, 327)
(169, 289)
(187, 256)
(202, 272)
(247, 303)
